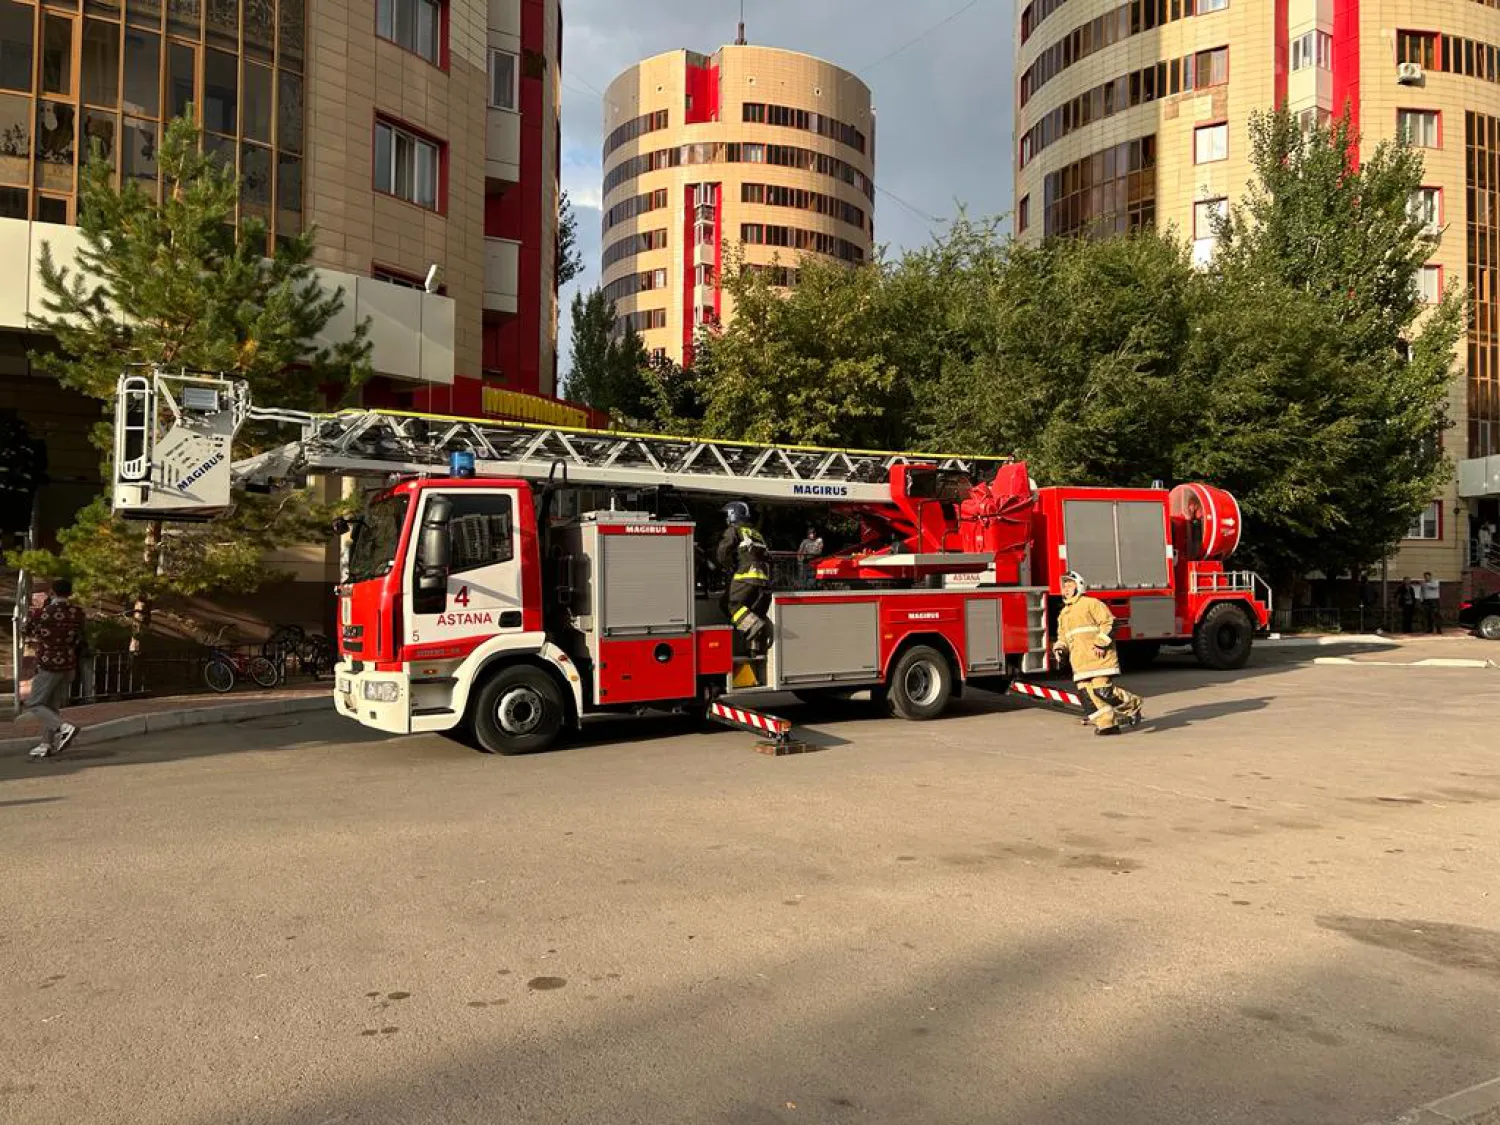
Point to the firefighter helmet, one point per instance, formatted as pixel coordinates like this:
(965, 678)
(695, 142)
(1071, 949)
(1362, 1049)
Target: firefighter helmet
(1077, 579)
(737, 512)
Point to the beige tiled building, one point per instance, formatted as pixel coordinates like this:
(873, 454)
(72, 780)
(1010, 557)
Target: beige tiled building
(753, 147)
(1137, 112)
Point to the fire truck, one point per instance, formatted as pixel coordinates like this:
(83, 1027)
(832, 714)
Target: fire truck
(496, 589)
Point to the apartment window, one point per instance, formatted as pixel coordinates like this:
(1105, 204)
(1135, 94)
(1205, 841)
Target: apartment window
(1023, 214)
(1207, 214)
(1430, 282)
(402, 279)
(406, 165)
(504, 72)
(752, 233)
(1313, 118)
(1429, 524)
(1418, 47)
(755, 112)
(1211, 143)
(17, 38)
(1418, 127)
(1426, 207)
(1312, 49)
(1206, 6)
(1211, 67)
(415, 25)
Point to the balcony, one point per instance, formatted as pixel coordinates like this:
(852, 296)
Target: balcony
(411, 332)
(502, 272)
(502, 146)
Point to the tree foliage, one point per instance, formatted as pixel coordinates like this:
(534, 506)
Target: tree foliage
(569, 262)
(609, 366)
(175, 283)
(1300, 369)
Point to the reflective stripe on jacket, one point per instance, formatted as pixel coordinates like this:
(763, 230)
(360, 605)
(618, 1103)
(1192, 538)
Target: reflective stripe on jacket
(754, 557)
(1083, 628)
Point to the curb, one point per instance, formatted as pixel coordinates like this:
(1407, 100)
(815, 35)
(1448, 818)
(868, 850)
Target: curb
(131, 725)
(1476, 1105)
(1277, 640)
(1430, 662)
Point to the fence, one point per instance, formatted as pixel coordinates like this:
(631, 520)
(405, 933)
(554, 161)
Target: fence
(1359, 619)
(106, 676)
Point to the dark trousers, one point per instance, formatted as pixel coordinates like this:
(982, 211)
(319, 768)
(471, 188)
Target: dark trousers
(752, 596)
(1408, 618)
(1431, 609)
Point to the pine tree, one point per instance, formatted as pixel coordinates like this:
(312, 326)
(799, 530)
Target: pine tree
(174, 283)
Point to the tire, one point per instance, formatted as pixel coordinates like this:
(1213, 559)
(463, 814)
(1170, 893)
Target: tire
(219, 676)
(519, 710)
(1223, 637)
(921, 684)
(1489, 627)
(1137, 656)
(263, 672)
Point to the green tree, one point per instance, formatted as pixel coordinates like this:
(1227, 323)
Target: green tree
(609, 366)
(569, 260)
(176, 284)
(1078, 348)
(1331, 376)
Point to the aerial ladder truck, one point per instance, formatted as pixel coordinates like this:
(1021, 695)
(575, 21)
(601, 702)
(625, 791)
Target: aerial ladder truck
(485, 593)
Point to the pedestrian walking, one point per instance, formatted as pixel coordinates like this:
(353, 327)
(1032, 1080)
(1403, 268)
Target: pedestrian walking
(1432, 602)
(1406, 602)
(55, 630)
(809, 549)
(1084, 636)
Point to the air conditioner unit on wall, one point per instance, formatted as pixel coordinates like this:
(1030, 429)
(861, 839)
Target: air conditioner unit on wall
(1409, 74)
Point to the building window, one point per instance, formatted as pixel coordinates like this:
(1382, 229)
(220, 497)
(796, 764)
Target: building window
(1312, 49)
(1313, 118)
(1418, 47)
(415, 25)
(407, 165)
(1211, 68)
(1206, 6)
(1023, 214)
(1430, 282)
(1482, 160)
(1207, 214)
(1426, 207)
(504, 73)
(1429, 524)
(402, 279)
(1418, 127)
(1211, 143)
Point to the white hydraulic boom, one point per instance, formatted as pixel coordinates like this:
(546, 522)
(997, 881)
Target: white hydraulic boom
(174, 438)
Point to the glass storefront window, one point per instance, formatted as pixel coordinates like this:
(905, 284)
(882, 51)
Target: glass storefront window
(289, 112)
(17, 38)
(220, 92)
(255, 103)
(57, 55)
(185, 17)
(293, 24)
(15, 140)
(180, 73)
(144, 13)
(51, 209)
(223, 24)
(101, 63)
(138, 153)
(260, 29)
(99, 131)
(12, 203)
(289, 194)
(255, 181)
(56, 148)
(142, 72)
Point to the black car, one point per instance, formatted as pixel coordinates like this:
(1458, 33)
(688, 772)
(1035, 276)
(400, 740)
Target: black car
(1482, 615)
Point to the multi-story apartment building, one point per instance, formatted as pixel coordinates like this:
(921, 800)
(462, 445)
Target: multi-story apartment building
(764, 149)
(412, 133)
(1136, 112)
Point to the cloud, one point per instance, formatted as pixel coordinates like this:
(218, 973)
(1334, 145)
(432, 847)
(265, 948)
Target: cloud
(943, 94)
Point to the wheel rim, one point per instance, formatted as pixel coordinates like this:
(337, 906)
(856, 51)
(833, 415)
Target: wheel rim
(520, 711)
(1227, 638)
(921, 683)
(220, 678)
(1489, 628)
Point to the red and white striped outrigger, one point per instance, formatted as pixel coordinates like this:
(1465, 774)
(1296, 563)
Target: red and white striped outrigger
(1048, 694)
(777, 729)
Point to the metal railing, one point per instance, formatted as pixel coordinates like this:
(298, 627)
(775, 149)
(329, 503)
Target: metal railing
(1231, 582)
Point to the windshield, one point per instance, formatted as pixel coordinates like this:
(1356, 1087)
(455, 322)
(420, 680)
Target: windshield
(375, 539)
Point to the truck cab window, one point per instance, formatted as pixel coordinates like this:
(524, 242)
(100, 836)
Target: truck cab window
(481, 531)
(373, 550)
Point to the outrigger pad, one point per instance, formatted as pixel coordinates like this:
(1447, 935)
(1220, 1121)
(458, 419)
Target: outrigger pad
(782, 749)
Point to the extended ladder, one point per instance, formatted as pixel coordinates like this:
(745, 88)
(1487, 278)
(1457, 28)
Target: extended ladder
(174, 435)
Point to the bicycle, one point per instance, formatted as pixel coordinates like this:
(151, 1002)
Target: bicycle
(225, 668)
(315, 653)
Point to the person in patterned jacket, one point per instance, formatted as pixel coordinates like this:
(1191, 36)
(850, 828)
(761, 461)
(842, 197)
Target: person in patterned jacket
(55, 630)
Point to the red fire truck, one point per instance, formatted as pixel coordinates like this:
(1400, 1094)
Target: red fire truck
(496, 587)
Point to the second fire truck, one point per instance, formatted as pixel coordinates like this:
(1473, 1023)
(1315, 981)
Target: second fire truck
(484, 595)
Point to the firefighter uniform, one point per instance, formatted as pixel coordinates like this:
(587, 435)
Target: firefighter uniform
(1083, 634)
(744, 556)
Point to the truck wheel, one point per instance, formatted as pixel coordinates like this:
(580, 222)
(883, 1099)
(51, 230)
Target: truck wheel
(1137, 656)
(519, 711)
(921, 684)
(1489, 627)
(1222, 639)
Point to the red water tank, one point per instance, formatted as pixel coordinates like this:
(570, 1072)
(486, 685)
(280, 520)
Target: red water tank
(1205, 522)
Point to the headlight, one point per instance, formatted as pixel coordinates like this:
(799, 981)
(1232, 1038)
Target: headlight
(382, 691)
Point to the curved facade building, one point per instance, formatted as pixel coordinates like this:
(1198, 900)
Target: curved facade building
(752, 146)
(1136, 112)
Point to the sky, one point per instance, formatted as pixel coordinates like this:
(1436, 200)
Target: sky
(940, 72)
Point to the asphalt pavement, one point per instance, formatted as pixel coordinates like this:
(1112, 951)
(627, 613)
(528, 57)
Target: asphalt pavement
(1274, 903)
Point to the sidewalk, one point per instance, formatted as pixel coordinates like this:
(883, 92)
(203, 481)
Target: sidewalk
(101, 722)
(1454, 648)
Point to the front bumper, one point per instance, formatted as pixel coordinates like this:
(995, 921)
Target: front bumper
(379, 700)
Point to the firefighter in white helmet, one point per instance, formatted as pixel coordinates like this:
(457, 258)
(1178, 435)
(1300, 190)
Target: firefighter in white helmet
(1084, 636)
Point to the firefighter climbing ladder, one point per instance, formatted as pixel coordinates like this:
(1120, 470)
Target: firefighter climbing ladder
(175, 433)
